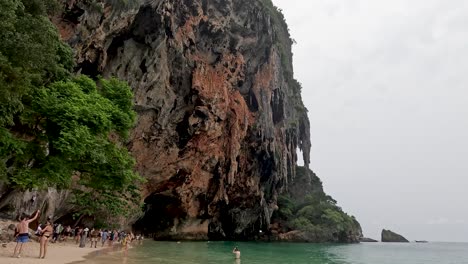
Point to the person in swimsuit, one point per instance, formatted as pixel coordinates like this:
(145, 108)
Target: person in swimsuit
(46, 233)
(22, 233)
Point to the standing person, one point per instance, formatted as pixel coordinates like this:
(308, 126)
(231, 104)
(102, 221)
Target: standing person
(55, 233)
(78, 231)
(125, 241)
(22, 233)
(104, 237)
(38, 232)
(111, 237)
(116, 236)
(121, 236)
(60, 232)
(67, 233)
(84, 235)
(45, 235)
(94, 237)
(236, 252)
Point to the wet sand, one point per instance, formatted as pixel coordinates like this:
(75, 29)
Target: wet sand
(58, 253)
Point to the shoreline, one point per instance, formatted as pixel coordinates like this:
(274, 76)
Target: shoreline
(57, 253)
(105, 251)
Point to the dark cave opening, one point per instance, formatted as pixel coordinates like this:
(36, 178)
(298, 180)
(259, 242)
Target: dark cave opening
(160, 212)
(230, 218)
(89, 68)
(73, 15)
(277, 106)
(182, 129)
(117, 42)
(252, 102)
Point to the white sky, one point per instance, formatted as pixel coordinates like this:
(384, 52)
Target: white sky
(385, 85)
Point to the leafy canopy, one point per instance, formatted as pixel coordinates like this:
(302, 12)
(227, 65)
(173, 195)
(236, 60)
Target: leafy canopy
(31, 54)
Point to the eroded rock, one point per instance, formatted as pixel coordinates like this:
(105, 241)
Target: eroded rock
(389, 236)
(366, 239)
(220, 116)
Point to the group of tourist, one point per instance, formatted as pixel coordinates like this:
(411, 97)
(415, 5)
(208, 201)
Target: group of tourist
(84, 234)
(57, 233)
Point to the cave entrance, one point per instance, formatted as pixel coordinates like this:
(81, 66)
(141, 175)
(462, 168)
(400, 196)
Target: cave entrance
(160, 212)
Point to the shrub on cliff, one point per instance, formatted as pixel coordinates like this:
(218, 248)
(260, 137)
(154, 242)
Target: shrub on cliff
(57, 130)
(312, 211)
(316, 213)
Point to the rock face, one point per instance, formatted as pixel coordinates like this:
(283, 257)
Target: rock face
(366, 239)
(7, 231)
(389, 236)
(220, 115)
(51, 203)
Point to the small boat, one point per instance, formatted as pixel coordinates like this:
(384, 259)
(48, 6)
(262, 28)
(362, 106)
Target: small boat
(420, 241)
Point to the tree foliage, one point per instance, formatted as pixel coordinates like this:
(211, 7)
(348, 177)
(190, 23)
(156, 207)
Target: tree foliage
(31, 54)
(317, 212)
(56, 129)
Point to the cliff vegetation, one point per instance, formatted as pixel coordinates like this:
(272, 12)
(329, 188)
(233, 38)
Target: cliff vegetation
(306, 208)
(58, 129)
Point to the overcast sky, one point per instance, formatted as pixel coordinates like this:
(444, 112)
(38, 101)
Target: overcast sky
(385, 85)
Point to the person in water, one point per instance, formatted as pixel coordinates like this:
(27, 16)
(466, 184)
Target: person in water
(46, 233)
(236, 252)
(22, 233)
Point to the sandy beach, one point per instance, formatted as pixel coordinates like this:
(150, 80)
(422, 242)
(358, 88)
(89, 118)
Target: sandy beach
(58, 253)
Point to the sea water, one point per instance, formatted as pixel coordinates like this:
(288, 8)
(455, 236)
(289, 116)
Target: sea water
(288, 253)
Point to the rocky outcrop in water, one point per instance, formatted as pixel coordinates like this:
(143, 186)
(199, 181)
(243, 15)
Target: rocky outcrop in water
(366, 239)
(389, 236)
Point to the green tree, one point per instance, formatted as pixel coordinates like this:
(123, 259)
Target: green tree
(59, 130)
(31, 54)
(316, 212)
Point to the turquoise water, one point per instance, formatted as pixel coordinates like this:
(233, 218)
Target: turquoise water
(290, 253)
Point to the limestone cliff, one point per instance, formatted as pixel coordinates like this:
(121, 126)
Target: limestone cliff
(220, 115)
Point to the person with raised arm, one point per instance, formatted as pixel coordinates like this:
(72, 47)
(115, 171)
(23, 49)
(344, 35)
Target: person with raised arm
(22, 233)
(236, 252)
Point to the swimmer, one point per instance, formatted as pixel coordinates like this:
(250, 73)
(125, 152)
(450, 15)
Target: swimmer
(236, 252)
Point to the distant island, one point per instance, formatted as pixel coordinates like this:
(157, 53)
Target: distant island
(389, 236)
